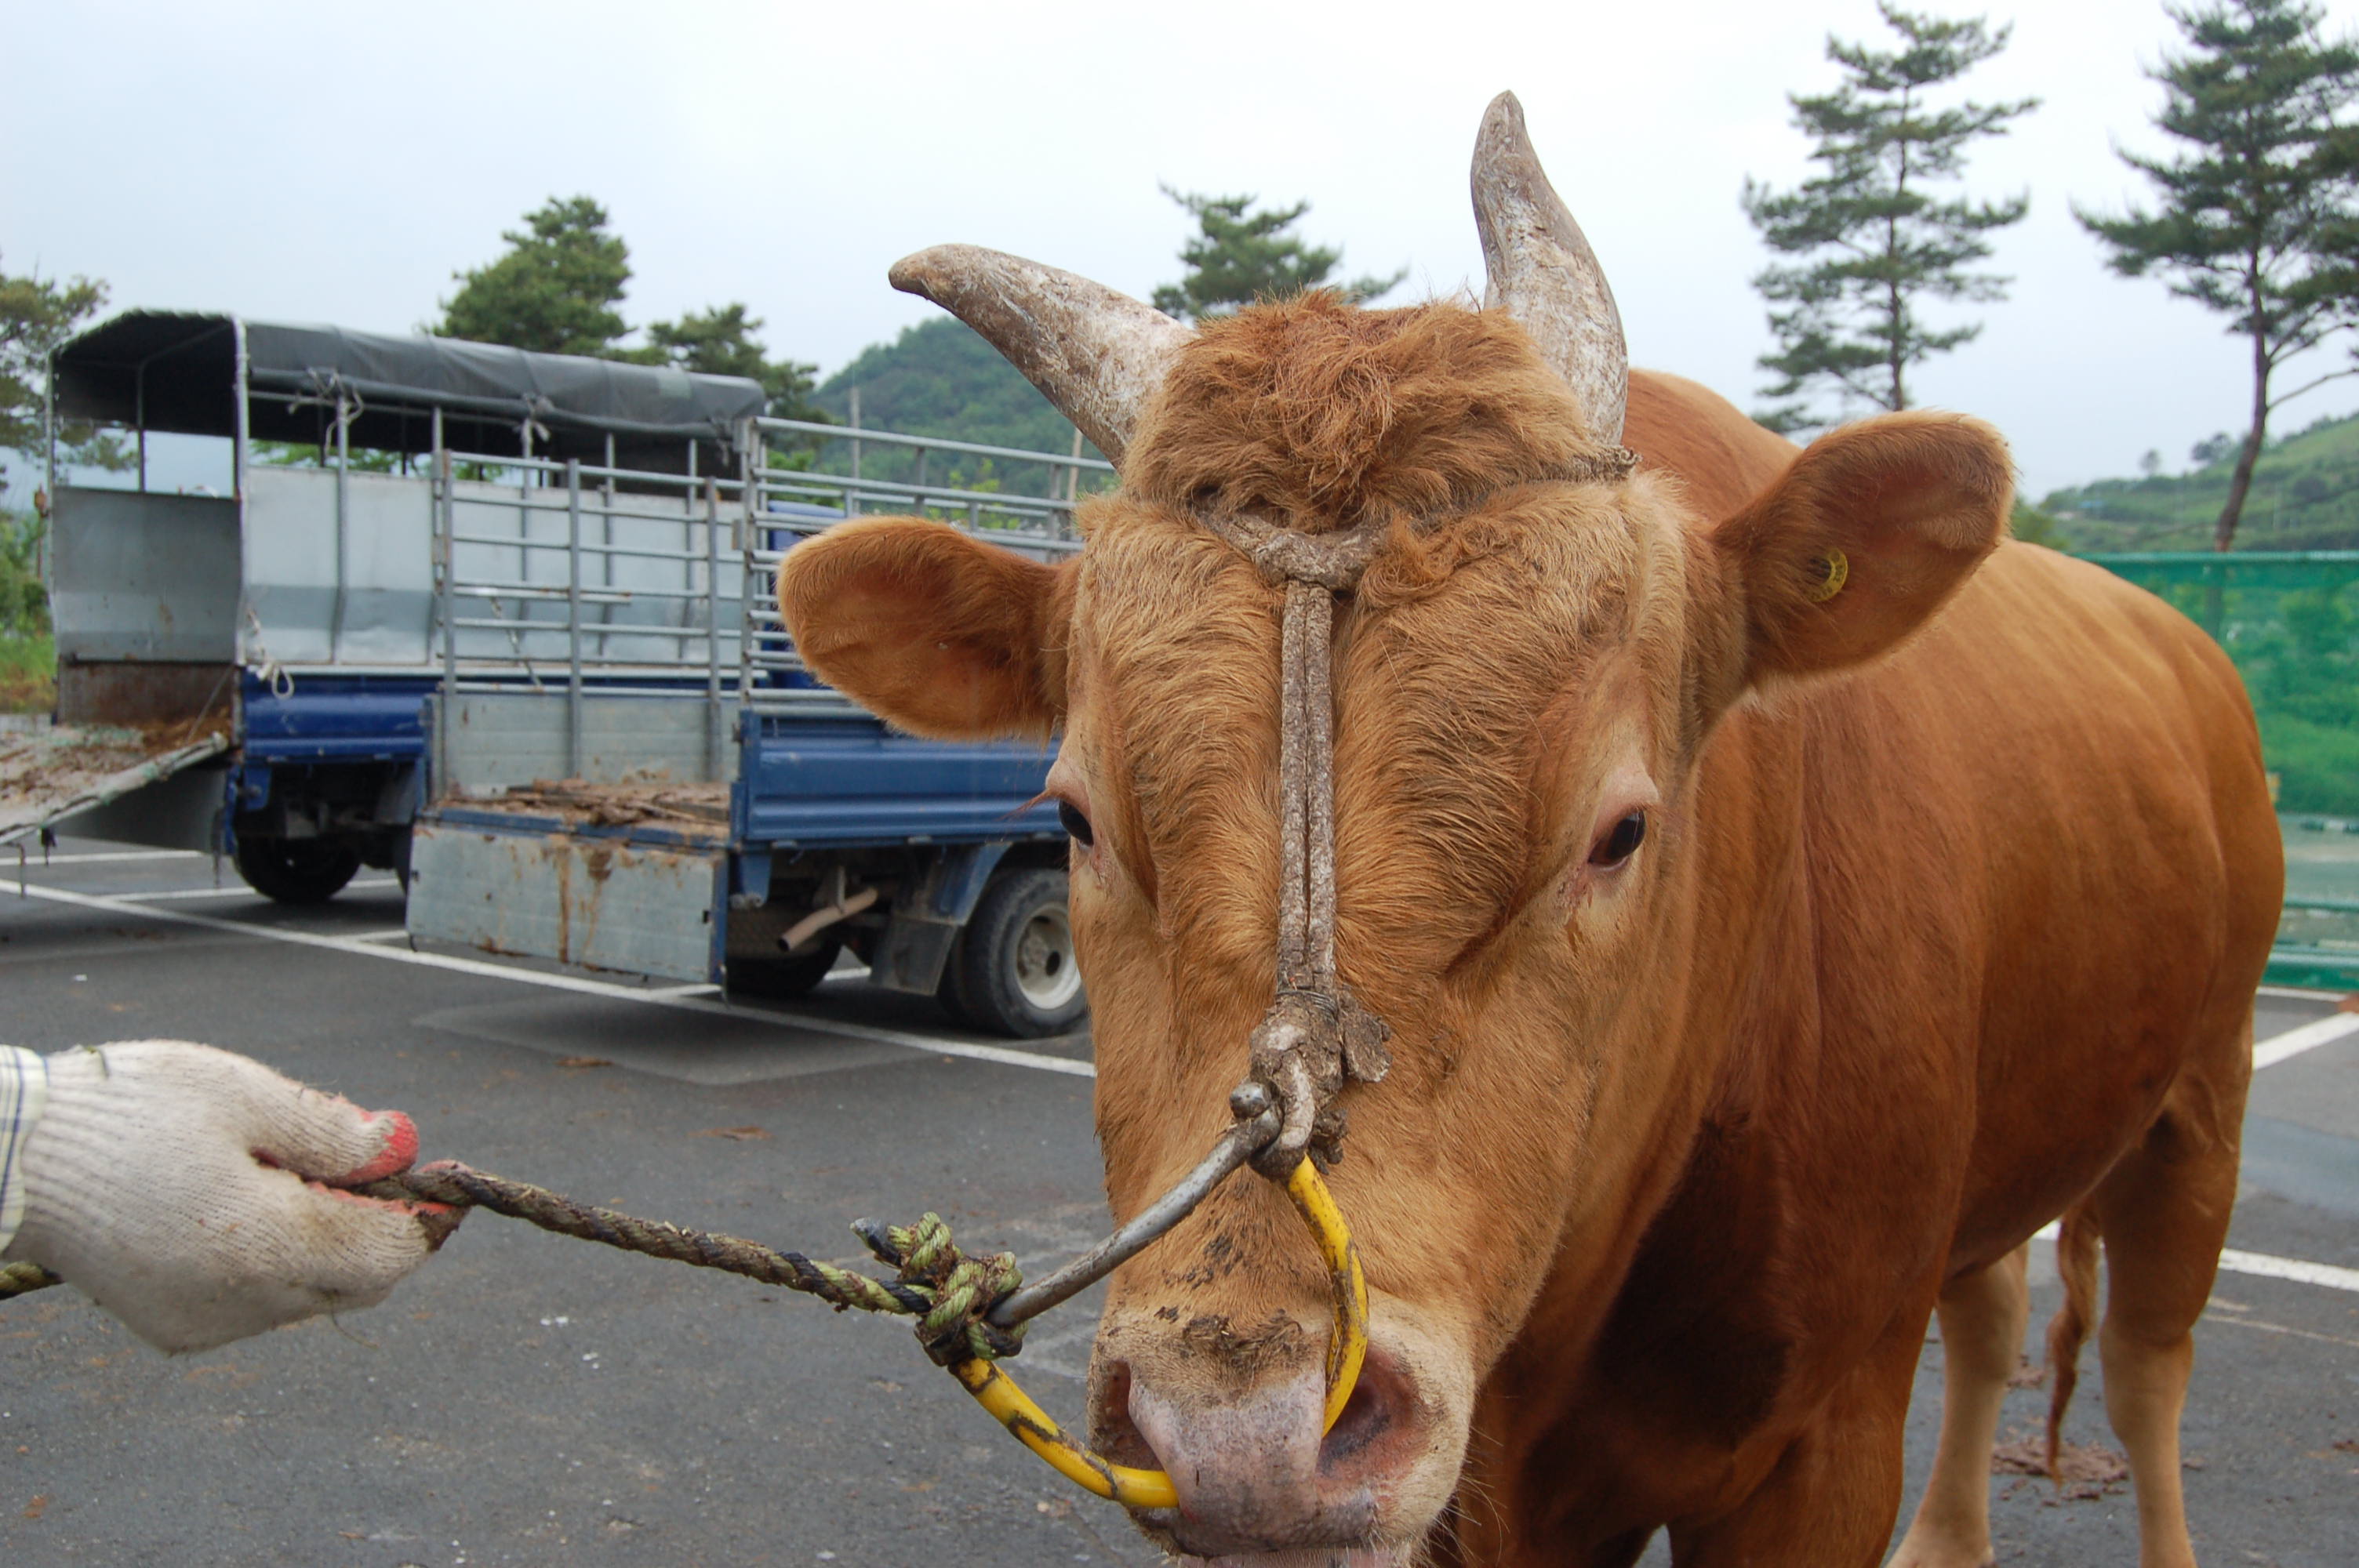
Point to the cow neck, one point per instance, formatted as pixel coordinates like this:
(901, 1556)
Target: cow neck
(1315, 1036)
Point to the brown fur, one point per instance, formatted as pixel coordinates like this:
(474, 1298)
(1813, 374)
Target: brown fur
(1319, 416)
(1673, 1162)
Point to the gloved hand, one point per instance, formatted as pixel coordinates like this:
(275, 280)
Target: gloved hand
(192, 1193)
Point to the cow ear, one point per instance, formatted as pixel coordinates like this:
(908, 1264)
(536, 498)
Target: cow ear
(1869, 532)
(931, 628)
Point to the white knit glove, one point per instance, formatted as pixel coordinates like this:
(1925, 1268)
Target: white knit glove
(192, 1193)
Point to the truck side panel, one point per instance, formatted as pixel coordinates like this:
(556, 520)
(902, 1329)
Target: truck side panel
(596, 901)
(349, 583)
(809, 781)
(151, 578)
(501, 740)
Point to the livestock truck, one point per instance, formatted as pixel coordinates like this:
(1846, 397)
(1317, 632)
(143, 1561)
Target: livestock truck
(506, 623)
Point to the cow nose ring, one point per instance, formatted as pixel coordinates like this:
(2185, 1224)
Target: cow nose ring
(1347, 1343)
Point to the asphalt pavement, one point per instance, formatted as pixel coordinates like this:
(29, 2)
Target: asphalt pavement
(529, 1400)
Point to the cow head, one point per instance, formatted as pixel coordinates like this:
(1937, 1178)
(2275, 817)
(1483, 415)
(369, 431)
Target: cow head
(1524, 677)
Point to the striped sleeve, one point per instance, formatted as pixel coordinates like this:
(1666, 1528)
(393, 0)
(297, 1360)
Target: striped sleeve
(24, 1092)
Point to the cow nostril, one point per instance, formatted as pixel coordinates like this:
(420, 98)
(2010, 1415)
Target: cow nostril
(1113, 1432)
(1377, 1407)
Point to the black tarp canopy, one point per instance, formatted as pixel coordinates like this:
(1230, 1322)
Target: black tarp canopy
(170, 371)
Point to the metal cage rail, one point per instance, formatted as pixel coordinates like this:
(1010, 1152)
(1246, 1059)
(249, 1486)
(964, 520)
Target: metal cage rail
(598, 581)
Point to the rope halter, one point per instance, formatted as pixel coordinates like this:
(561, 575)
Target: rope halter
(1315, 1035)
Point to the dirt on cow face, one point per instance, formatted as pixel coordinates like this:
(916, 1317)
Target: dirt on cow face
(1243, 1355)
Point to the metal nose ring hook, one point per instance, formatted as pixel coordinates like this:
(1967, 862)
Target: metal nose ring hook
(1347, 1342)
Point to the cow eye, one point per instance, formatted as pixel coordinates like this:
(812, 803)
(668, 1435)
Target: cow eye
(1075, 824)
(1621, 842)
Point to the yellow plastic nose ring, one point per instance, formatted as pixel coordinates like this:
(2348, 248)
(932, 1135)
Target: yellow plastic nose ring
(1347, 1349)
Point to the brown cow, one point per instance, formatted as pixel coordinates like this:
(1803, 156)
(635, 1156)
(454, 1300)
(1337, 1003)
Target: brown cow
(1764, 964)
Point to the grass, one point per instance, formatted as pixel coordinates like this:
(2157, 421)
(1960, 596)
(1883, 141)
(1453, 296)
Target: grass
(28, 674)
(2305, 496)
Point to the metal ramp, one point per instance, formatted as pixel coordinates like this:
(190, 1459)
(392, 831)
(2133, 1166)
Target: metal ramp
(59, 771)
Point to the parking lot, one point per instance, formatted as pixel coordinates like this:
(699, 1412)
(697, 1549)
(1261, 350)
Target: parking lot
(528, 1400)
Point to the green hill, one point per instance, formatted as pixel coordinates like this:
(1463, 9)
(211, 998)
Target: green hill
(2305, 496)
(938, 378)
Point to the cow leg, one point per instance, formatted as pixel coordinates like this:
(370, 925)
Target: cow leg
(1831, 1500)
(1983, 1318)
(2164, 1213)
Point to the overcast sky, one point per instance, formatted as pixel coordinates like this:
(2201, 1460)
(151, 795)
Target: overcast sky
(331, 164)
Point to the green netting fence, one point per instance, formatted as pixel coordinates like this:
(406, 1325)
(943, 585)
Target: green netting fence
(2290, 621)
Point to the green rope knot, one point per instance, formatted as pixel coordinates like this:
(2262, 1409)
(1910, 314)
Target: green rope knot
(962, 1290)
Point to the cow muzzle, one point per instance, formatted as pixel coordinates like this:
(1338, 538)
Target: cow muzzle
(1235, 1421)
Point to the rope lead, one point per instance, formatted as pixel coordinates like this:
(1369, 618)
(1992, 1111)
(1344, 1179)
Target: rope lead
(949, 1293)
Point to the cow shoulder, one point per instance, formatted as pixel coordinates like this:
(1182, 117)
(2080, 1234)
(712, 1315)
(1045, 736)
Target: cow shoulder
(1722, 458)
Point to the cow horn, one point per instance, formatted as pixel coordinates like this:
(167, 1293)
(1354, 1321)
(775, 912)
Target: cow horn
(1096, 354)
(1542, 270)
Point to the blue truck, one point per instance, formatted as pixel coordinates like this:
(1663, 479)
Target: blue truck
(505, 622)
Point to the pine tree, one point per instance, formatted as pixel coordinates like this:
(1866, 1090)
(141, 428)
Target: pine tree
(37, 314)
(556, 290)
(1239, 257)
(2258, 217)
(1871, 238)
(722, 341)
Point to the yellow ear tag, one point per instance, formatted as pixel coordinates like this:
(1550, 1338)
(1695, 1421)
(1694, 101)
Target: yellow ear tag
(1838, 573)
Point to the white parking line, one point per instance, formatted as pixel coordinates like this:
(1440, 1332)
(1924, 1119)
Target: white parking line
(2307, 1037)
(2267, 1267)
(2300, 993)
(239, 890)
(2265, 1326)
(87, 857)
(579, 984)
(2261, 1263)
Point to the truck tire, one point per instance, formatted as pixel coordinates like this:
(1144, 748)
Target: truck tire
(297, 871)
(1014, 968)
(952, 982)
(783, 978)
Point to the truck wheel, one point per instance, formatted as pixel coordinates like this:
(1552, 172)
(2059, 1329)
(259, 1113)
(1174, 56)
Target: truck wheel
(953, 981)
(297, 871)
(1014, 970)
(783, 978)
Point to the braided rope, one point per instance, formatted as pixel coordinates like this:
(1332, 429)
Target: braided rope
(946, 1290)
(1314, 1035)
(449, 1182)
(954, 1328)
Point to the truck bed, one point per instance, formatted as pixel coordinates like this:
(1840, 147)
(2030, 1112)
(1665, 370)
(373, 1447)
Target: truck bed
(689, 810)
